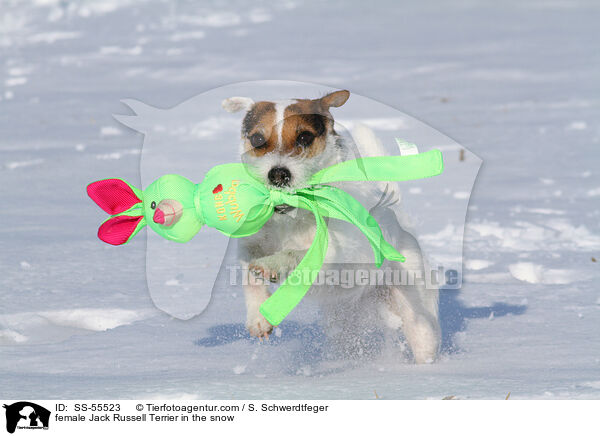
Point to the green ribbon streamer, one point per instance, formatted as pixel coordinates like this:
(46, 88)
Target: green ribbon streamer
(383, 168)
(297, 284)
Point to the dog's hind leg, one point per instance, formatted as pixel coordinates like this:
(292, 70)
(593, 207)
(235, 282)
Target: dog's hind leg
(415, 308)
(411, 304)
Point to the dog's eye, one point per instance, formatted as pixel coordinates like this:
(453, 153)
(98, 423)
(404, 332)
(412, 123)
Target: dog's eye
(258, 141)
(305, 138)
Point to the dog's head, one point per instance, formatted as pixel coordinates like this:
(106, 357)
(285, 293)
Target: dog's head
(286, 142)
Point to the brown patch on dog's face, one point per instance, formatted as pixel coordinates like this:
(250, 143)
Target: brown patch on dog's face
(258, 128)
(304, 129)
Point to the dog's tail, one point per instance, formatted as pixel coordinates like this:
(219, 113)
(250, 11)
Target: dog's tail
(366, 140)
(370, 145)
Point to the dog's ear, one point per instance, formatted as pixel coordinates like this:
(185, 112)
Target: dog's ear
(335, 99)
(236, 104)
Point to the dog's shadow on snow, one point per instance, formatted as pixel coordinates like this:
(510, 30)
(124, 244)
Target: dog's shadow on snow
(312, 340)
(454, 315)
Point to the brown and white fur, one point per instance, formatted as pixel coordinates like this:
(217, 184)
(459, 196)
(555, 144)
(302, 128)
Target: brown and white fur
(285, 142)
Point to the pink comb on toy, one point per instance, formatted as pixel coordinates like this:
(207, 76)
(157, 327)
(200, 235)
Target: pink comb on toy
(115, 196)
(112, 195)
(118, 230)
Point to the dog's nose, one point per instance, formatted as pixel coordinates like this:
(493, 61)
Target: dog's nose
(280, 176)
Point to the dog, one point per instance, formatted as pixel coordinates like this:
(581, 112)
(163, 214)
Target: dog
(284, 143)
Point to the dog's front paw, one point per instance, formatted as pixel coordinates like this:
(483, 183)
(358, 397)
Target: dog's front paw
(263, 272)
(258, 326)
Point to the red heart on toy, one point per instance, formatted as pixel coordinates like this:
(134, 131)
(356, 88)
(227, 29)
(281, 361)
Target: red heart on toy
(218, 189)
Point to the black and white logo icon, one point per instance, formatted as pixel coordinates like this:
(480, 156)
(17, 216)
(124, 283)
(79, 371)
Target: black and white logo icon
(26, 415)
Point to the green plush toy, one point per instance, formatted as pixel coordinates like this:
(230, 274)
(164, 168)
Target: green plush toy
(236, 203)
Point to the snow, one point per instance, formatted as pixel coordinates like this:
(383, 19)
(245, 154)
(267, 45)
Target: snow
(461, 195)
(513, 82)
(36, 327)
(534, 273)
(577, 125)
(111, 50)
(52, 37)
(115, 155)
(187, 35)
(594, 192)
(392, 124)
(550, 234)
(239, 369)
(477, 264)
(110, 131)
(23, 163)
(15, 81)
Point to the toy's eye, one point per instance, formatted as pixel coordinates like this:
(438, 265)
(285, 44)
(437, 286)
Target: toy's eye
(153, 205)
(305, 139)
(258, 140)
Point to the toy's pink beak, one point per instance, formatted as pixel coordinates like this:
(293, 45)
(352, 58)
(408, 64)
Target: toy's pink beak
(168, 212)
(159, 216)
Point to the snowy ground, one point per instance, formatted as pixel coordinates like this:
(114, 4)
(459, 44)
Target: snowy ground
(516, 83)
